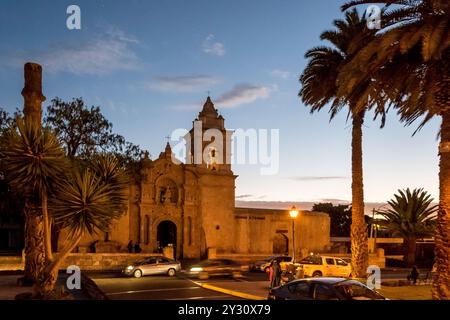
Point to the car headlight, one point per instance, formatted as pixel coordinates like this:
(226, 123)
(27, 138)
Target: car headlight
(130, 268)
(196, 269)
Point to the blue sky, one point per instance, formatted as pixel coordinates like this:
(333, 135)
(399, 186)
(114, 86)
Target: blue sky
(150, 64)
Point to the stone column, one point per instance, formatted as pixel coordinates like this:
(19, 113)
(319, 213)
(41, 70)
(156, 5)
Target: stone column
(34, 228)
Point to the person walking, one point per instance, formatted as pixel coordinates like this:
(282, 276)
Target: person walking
(276, 277)
(414, 275)
(130, 246)
(137, 248)
(270, 274)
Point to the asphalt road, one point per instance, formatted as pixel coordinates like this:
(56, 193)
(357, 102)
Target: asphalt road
(117, 287)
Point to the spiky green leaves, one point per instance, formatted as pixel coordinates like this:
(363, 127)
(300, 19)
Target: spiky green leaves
(411, 213)
(91, 197)
(33, 158)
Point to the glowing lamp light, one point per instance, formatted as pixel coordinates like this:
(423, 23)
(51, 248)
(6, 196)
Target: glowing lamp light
(293, 212)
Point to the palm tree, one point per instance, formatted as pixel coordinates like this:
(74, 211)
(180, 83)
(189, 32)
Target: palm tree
(411, 216)
(86, 202)
(410, 57)
(33, 160)
(320, 87)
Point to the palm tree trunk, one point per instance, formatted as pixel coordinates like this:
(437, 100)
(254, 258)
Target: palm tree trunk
(441, 282)
(411, 251)
(358, 233)
(34, 242)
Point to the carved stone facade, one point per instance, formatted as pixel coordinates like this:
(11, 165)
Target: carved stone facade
(190, 206)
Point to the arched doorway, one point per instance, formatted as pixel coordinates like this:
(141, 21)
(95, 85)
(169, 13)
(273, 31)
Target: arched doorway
(280, 244)
(167, 235)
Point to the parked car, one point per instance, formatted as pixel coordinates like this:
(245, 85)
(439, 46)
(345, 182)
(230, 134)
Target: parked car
(324, 289)
(256, 266)
(216, 267)
(282, 260)
(151, 266)
(324, 266)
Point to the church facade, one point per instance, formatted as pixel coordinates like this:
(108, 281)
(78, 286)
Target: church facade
(190, 207)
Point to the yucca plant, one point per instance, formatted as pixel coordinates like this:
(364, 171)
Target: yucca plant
(410, 56)
(411, 215)
(86, 202)
(33, 160)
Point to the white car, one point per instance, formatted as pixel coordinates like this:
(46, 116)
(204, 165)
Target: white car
(151, 266)
(325, 266)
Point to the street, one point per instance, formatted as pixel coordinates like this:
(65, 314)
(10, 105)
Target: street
(117, 287)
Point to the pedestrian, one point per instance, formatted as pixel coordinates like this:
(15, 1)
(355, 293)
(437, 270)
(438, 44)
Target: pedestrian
(270, 274)
(130, 246)
(137, 248)
(276, 277)
(414, 275)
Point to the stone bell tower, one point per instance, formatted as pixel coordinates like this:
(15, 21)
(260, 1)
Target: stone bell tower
(209, 143)
(208, 156)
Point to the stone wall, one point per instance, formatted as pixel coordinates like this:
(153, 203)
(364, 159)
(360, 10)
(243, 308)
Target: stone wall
(11, 263)
(256, 231)
(104, 261)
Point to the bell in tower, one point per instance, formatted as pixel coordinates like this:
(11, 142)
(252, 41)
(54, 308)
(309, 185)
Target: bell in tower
(209, 143)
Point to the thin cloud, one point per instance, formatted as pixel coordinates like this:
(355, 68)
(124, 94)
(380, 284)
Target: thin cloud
(318, 178)
(109, 52)
(243, 94)
(238, 95)
(277, 73)
(244, 196)
(183, 83)
(121, 35)
(212, 47)
(336, 201)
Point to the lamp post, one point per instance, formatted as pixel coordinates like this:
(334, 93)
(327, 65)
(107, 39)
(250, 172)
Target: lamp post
(374, 226)
(293, 213)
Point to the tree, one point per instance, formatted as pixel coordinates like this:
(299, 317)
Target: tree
(340, 218)
(33, 160)
(5, 120)
(85, 131)
(86, 202)
(410, 57)
(411, 216)
(320, 87)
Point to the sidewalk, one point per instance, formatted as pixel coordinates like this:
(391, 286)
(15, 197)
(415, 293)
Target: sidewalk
(9, 288)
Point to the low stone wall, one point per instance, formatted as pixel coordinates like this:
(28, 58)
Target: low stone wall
(9, 263)
(104, 261)
(241, 257)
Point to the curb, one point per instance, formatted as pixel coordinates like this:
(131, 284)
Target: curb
(231, 292)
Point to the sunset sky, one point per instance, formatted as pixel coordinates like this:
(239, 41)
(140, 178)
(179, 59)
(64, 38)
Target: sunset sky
(150, 64)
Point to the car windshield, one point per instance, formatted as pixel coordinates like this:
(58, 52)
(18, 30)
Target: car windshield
(356, 291)
(312, 260)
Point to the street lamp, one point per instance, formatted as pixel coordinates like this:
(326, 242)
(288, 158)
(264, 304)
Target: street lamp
(293, 213)
(374, 226)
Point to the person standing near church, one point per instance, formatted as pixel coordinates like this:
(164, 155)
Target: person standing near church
(130, 246)
(276, 277)
(137, 248)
